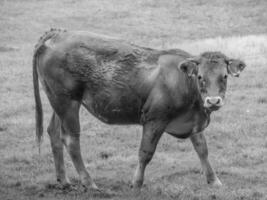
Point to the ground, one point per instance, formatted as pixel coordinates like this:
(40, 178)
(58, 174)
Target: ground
(237, 135)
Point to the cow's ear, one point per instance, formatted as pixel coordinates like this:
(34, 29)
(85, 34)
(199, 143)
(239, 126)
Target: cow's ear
(189, 66)
(235, 67)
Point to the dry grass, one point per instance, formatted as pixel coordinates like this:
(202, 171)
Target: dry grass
(236, 136)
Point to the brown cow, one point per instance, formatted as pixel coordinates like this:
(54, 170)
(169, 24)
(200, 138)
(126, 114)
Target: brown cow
(121, 83)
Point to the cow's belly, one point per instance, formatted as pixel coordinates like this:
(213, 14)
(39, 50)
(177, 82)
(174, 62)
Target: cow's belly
(185, 125)
(112, 108)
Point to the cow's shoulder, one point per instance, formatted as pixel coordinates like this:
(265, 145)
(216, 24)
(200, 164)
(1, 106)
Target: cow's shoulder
(172, 90)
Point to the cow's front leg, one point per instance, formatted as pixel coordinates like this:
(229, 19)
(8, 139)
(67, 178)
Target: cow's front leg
(152, 132)
(200, 145)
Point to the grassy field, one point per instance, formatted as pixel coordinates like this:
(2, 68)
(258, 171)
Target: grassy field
(237, 135)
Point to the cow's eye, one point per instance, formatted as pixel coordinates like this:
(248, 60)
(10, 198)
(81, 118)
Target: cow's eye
(225, 76)
(199, 77)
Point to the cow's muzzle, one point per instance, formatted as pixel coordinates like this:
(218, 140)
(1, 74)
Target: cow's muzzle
(213, 102)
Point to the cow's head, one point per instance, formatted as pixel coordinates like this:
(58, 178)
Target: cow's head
(210, 70)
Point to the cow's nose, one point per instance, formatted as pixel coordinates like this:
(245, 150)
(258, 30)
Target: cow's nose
(213, 101)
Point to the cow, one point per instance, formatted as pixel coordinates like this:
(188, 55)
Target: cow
(122, 83)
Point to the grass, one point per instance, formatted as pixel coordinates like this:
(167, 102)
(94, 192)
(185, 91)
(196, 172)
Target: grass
(236, 136)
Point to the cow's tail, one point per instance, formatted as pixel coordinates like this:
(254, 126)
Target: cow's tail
(39, 48)
(38, 102)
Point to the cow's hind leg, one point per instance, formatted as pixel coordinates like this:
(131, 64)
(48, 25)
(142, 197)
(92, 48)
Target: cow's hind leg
(200, 145)
(57, 149)
(68, 112)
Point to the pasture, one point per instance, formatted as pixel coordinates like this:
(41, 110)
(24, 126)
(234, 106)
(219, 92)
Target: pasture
(237, 135)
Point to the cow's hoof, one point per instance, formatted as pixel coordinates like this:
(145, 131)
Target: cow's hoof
(64, 182)
(136, 187)
(95, 187)
(137, 184)
(216, 182)
(90, 185)
(136, 190)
